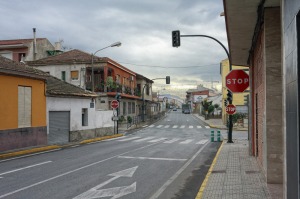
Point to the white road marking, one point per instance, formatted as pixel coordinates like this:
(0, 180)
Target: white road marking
(159, 192)
(175, 126)
(151, 126)
(159, 126)
(208, 127)
(202, 142)
(143, 139)
(148, 158)
(128, 139)
(167, 126)
(157, 140)
(186, 141)
(190, 127)
(75, 146)
(182, 126)
(171, 141)
(144, 126)
(72, 171)
(116, 192)
(34, 165)
(199, 127)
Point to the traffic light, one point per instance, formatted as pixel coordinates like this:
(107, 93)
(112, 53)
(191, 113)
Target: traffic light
(246, 99)
(176, 38)
(225, 102)
(229, 97)
(168, 80)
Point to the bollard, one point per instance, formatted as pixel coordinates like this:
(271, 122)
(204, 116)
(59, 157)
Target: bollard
(212, 136)
(219, 136)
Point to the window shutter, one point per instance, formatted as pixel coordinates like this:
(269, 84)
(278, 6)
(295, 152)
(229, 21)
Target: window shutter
(24, 106)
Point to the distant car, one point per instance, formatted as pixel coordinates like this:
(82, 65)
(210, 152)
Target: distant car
(174, 109)
(187, 111)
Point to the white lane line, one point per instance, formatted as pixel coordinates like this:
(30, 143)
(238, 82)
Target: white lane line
(151, 126)
(199, 127)
(128, 139)
(186, 141)
(157, 140)
(208, 127)
(163, 188)
(175, 126)
(72, 171)
(182, 126)
(171, 141)
(159, 126)
(34, 165)
(143, 139)
(167, 126)
(148, 158)
(202, 142)
(190, 127)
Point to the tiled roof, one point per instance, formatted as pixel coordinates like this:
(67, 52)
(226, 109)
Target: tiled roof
(54, 86)
(17, 41)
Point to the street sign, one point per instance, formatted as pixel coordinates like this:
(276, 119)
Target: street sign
(237, 81)
(230, 109)
(114, 104)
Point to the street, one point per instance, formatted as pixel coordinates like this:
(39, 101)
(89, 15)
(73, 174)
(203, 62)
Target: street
(168, 159)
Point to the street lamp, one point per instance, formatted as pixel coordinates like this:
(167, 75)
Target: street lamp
(116, 44)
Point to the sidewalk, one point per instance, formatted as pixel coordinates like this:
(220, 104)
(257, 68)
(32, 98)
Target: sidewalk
(233, 173)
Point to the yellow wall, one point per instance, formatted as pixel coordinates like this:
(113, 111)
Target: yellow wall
(238, 98)
(9, 101)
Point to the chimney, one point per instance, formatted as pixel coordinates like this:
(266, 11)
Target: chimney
(34, 45)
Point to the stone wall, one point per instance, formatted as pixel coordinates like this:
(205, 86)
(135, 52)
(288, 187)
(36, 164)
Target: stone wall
(76, 136)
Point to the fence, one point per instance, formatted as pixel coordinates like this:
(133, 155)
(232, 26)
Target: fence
(148, 118)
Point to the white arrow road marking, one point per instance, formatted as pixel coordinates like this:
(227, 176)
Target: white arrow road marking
(186, 141)
(182, 126)
(116, 192)
(143, 139)
(24, 168)
(202, 142)
(171, 141)
(127, 139)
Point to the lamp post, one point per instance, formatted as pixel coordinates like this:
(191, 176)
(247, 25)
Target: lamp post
(116, 44)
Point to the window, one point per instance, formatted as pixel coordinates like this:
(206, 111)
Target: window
(24, 106)
(84, 117)
(133, 108)
(129, 107)
(74, 75)
(124, 108)
(21, 57)
(63, 75)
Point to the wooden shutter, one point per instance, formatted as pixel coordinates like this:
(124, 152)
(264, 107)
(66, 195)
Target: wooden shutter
(24, 106)
(74, 75)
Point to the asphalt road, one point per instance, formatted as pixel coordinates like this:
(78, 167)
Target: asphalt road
(168, 159)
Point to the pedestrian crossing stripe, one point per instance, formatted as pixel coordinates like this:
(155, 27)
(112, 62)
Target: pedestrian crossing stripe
(128, 139)
(177, 126)
(157, 140)
(171, 141)
(163, 140)
(182, 126)
(143, 139)
(190, 127)
(167, 126)
(208, 127)
(186, 141)
(202, 142)
(199, 127)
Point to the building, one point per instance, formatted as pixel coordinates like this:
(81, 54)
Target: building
(238, 98)
(23, 106)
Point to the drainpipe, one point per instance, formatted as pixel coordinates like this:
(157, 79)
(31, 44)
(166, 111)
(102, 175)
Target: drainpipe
(34, 44)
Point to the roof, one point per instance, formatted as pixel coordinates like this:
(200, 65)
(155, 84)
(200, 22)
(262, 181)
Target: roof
(139, 76)
(241, 20)
(54, 86)
(18, 41)
(10, 67)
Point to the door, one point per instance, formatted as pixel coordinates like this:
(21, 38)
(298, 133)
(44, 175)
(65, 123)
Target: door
(59, 127)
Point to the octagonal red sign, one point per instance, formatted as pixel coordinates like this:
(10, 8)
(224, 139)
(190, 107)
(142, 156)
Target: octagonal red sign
(230, 109)
(237, 81)
(114, 104)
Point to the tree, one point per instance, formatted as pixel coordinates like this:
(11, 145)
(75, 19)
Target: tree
(205, 103)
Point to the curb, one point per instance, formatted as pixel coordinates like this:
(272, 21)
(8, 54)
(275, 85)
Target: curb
(53, 147)
(204, 183)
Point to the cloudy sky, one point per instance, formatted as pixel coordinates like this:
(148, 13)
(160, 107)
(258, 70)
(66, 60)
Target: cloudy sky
(143, 26)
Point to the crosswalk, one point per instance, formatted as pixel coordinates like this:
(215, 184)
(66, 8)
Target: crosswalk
(164, 140)
(177, 126)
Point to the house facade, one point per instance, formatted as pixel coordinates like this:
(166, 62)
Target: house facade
(23, 105)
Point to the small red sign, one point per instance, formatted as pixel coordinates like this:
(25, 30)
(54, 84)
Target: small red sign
(237, 81)
(114, 104)
(230, 109)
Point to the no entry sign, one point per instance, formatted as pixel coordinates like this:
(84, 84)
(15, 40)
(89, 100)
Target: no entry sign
(230, 109)
(237, 81)
(114, 104)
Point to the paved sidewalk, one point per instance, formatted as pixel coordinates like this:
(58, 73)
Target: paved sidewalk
(234, 174)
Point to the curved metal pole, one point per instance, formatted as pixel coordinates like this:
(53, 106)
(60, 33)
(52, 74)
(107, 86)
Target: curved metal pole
(230, 68)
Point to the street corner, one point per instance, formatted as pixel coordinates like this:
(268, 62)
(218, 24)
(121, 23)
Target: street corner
(101, 138)
(28, 151)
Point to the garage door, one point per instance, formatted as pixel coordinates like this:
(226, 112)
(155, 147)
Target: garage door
(59, 127)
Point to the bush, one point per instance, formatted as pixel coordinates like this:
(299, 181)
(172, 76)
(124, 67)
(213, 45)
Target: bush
(122, 118)
(129, 119)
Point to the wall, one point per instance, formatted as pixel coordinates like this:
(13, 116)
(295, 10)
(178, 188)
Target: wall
(9, 101)
(291, 23)
(42, 45)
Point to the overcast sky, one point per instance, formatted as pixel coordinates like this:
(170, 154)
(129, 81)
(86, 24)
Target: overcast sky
(143, 26)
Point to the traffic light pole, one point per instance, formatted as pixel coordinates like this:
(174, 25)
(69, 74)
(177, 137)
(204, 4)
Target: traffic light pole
(230, 126)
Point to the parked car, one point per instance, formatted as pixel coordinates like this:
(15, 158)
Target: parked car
(186, 111)
(175, 109)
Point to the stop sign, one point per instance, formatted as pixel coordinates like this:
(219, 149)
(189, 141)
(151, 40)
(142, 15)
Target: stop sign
(114, 104)
(237, 81)
(230, 109)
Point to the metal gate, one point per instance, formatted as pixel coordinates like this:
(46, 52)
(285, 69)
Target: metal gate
(59, 127)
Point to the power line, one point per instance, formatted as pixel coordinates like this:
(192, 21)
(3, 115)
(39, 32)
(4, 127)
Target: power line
(168, 66)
